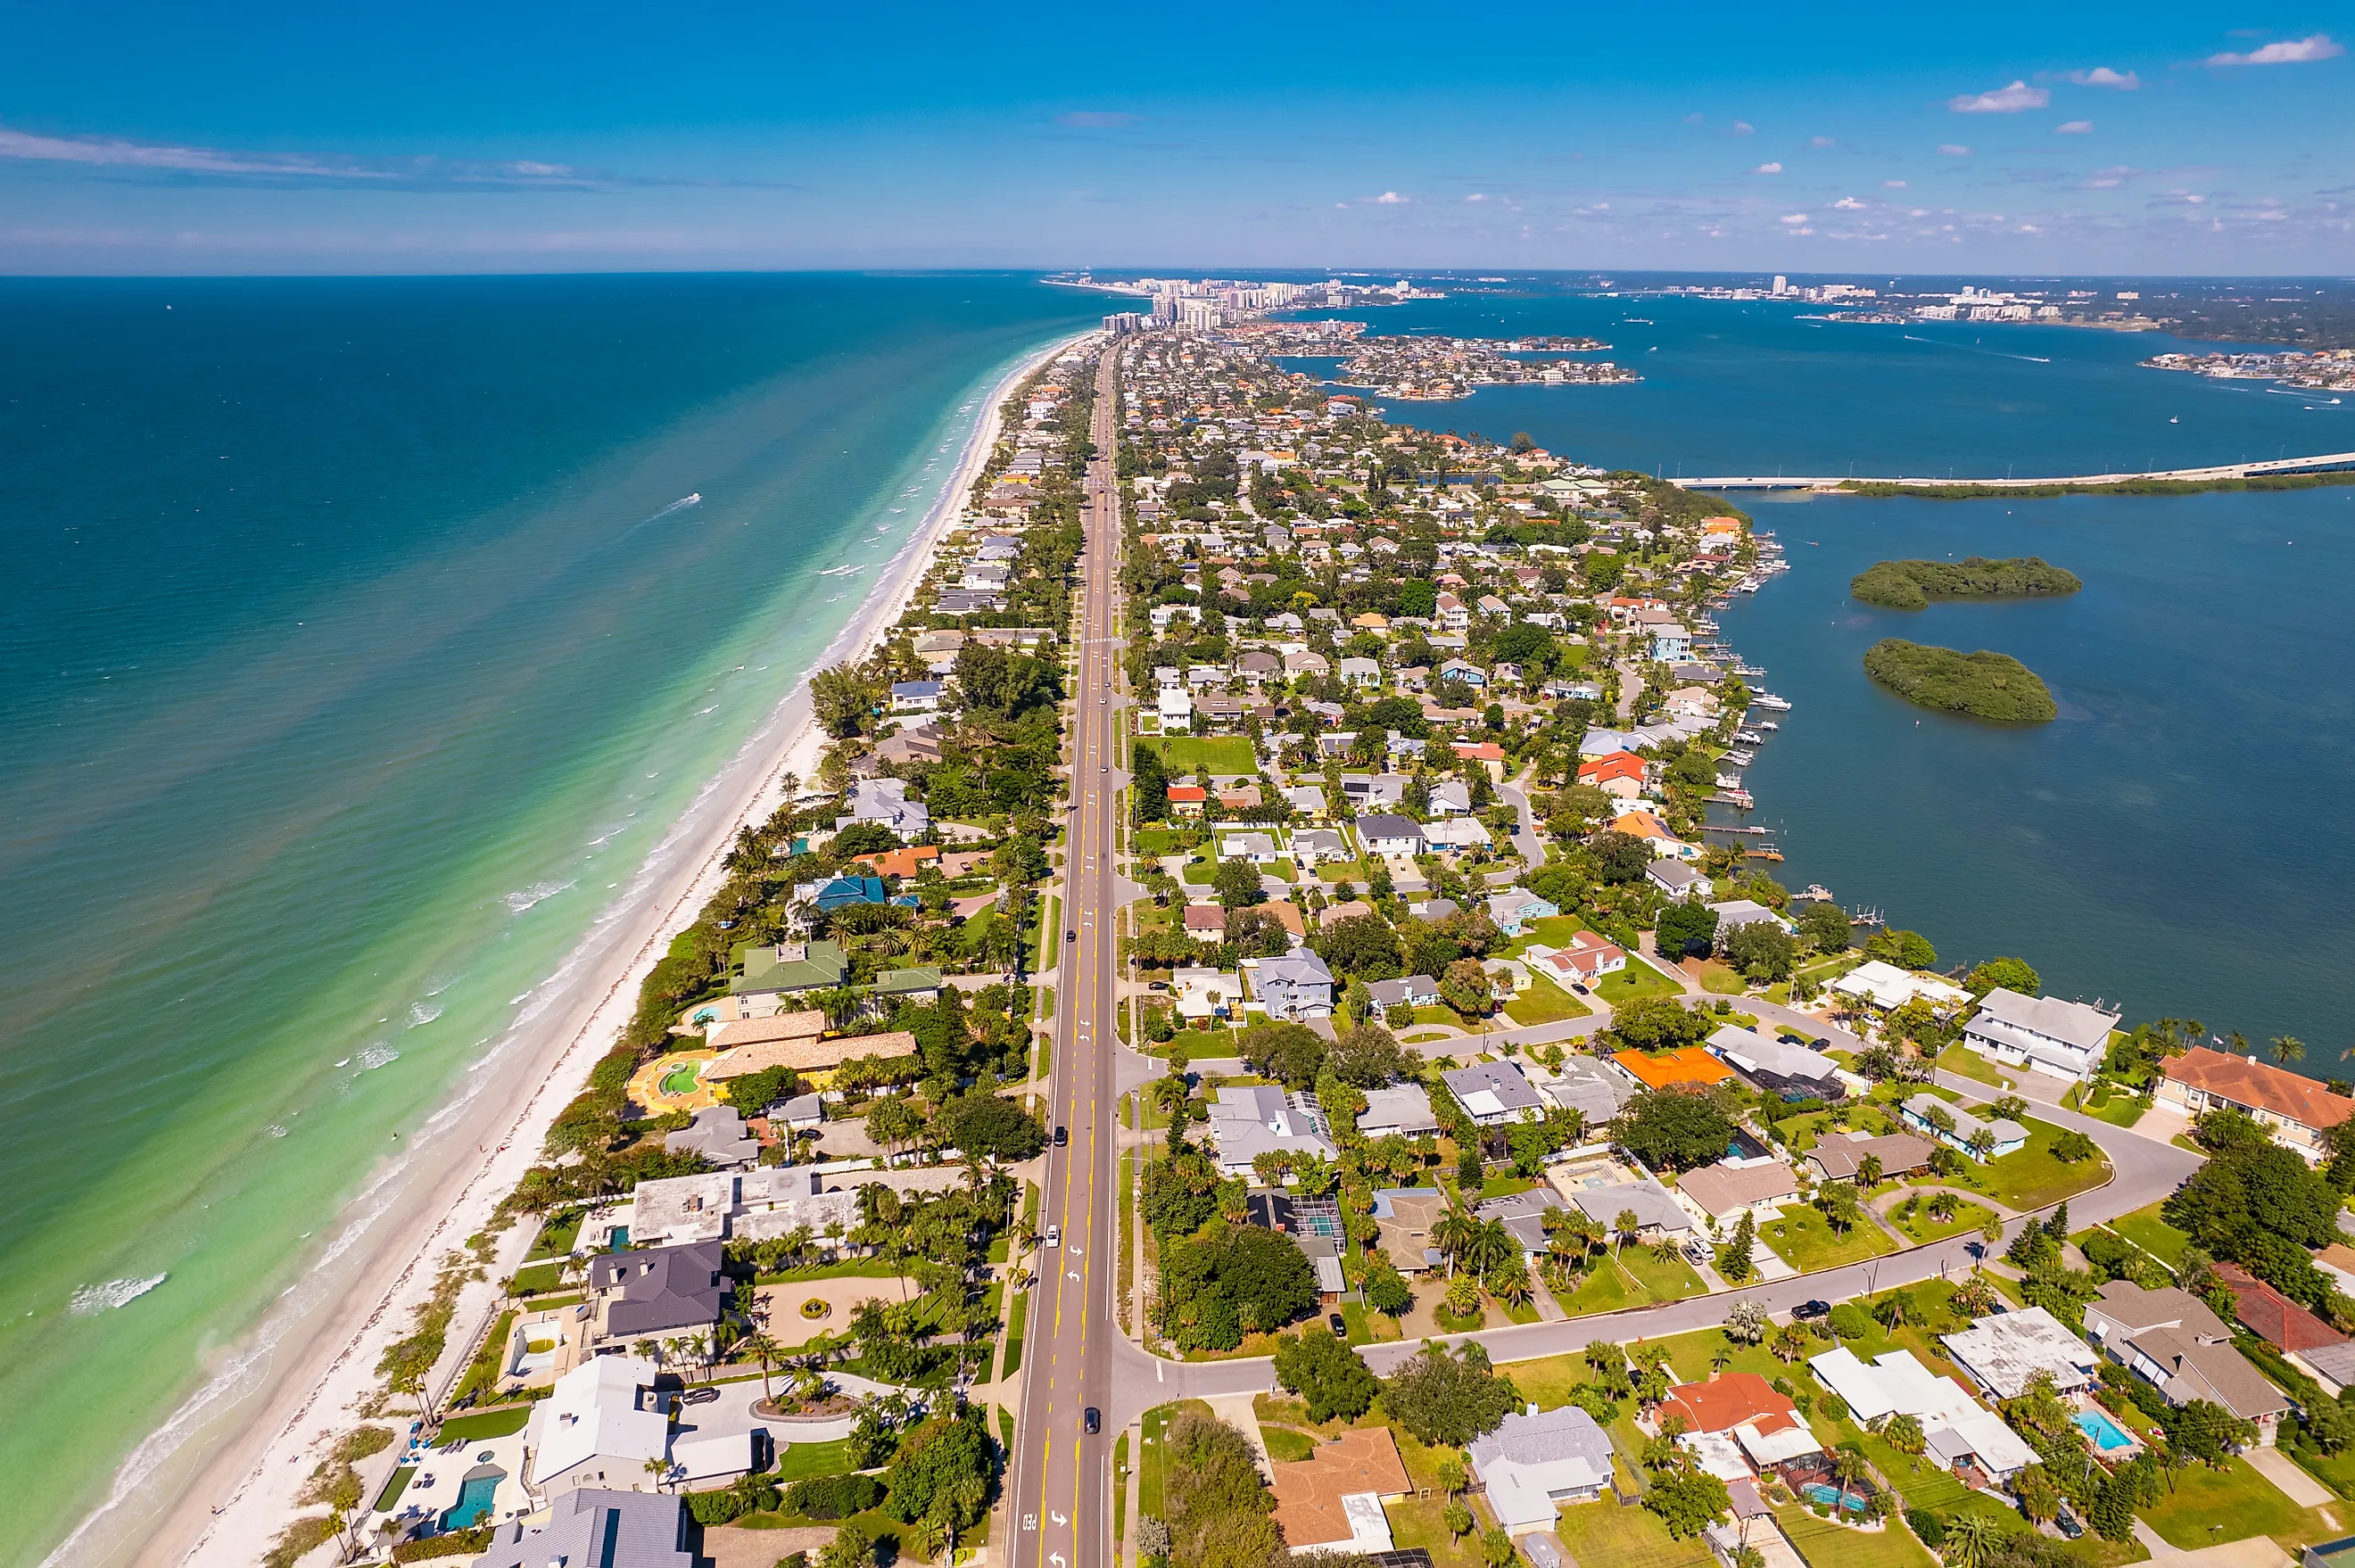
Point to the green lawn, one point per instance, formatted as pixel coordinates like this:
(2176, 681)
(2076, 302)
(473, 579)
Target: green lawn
(1964, 1062)
(2154, 1235)
(1148, 1458)
(1554, 930)
(1285, 1446)
(489, 1424)
(1417, 1521)
(556, 1238)
(1804, 1239)
(1609, 1536)
(1605, 1289)
(1828, 1545)
(1721, 981)
(539, 1279)
(1197, 873)
(1016, 1327)
(1155, 842)
(1221, 755)
(1544, 1003)
(1968, 1217)
(1669, 1280)
(2208, 1506)
(1119, 1482)
(1638, 1280)
(394, 1485)
(2032, 1178)
(1638, 979)
(799, 1461)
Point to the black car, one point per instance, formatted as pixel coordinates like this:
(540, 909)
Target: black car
(1338, 1324)
(1811, 1311)
(1092, 1421)
(1063, 1137)
(2066, 1522)
(1071, 936)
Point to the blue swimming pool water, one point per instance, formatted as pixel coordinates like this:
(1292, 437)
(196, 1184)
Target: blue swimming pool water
(1831, 1497)
(2107, 1435)
(474, 1498)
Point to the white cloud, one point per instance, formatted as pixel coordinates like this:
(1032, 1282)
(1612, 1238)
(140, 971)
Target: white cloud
(1392, 199)
(2103, 76)
(1743, 127)
(1478, 196)
(2296, 52)
(1767, 169)
(1822, 141)
(1794, 218)
(305, 168)
(1849, 204)
(2002, 101)
(1919, 212)
(1894, 184)
(2074, 127)
(1953, 150)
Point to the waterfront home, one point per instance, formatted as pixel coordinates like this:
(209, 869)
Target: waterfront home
(1672, 642)
(1585, 961)
(840, 892)
(885, 803)
(2297, 1110)
(655, 1291)
(1617, 774)
(1403, 1110)
(595, 1525)
(1719, 1194)
(1294, 987)
(1735, 914)
(1685, 1067)
(1532, 1464)
(1776, 1066)
(718, 1134)
(1838, 1158)
(1677, 880)
(1516, 907)
(1493, 1093)
(2001, 1352)
(901, 863)
(1690, 702)
(788, 969)
(1655, 833)
(1884, 986)
(2170, 1339)
(1413, 991)
(917, 696)
(1206, 994)
(2043, 1034)
(1332, 1501)
(599, 1427)
(1404, 1217)
(1252, 1120)
(1385, 834)
(1957, 1128)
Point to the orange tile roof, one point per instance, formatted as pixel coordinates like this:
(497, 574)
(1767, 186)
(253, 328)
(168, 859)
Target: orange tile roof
(1308, 1492)
(901, 862)
(1731, 1400)
(1618, 765)
(2245, 1082)
(1685, 1067)
(1641, 824)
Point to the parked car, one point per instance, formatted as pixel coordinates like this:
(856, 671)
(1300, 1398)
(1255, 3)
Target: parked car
(1054, 1235)
(1811, 1312)
(1338, 1324)
(1063, 1137)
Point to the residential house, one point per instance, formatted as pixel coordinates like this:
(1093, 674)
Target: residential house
(1884, 987)
(1671, 644)
(1255, 1119)
(901, 863)
(1413, 991)
(1678, 880)
(1657, 1213)
(2275, 1318)
(1735, 914)
(1586, 1086)
(1332, 1501)
(1361, 673)
(1206, 923)
(1386, 834)
(1584, 961)
(1532, 1464)
(1687, 1067)
(1690, 702)
(917, 696)
(1464, 673)
(1400, 1110)
(1523, 1216)
(1515, 909)
(600, 1425)
(1404, 1217)
(654, 1293)
(1487, 753)
(1307, 662)
(1925, 1113)
(2170, 1339)
(1187, 800)
(1778, 1067)
(1381, 790)
(1294, 987)
(2001, 1352)
(840, 892)
(2298, 1110)
(1736, 1424)
(1719, 1194)
(1838, 1158)
(885, 803)
(595, 1527)
(1255, 848)
(1647, 826)
(1451, 798)
(1204, 994)
(2043, 1034)
(718, 1134)
(1454, 834)
(1174, 705)
(1494, 1094)
(788, 969)
(1957, 1431)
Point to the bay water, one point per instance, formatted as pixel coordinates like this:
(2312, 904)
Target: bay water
(360, 641)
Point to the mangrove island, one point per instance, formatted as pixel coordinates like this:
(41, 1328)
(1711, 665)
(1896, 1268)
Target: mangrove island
(1984, 684)
(1912, 584)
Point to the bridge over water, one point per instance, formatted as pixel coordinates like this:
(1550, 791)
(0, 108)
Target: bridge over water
(2323, 463)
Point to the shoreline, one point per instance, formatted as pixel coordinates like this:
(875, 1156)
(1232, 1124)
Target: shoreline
(246, 1438)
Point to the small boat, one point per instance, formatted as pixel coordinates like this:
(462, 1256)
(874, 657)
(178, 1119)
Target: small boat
(1729, 781)
(1741, 759)
(1747, 669)
(1753, 736)
(1816, 893)
(1767, 699)
(1768, 724)
(2175, 418)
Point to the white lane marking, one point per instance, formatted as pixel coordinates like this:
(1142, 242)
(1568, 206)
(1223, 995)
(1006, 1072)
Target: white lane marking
(1059, 1519)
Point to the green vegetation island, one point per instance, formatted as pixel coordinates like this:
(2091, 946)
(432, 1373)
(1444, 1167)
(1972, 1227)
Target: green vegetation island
(1912, 584)
(1984, 684)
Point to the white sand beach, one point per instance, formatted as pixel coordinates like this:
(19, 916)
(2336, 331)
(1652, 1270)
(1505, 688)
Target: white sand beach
(219, 1482)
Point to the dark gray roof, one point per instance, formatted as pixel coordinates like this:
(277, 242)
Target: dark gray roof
(662, 1288)
(591, 1528)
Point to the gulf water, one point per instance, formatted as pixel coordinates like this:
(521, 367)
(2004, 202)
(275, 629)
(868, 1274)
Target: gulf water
(358, 647)
(2181, 840)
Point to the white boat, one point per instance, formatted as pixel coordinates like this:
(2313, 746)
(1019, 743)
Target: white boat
(1753, 736)
(1729, 781)
(1739, 797)
(1816, 893)
(1741, 759)
(1767, 699)
(1768, 724)
(1747, 669)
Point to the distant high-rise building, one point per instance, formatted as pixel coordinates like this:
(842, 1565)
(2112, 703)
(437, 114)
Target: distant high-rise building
(1165, 310)
(1781, 284)
(1200, 314)
(1120, 323)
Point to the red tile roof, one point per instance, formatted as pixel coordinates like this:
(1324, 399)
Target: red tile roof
(2247, 1081)
(2271, 1316)
(1731, 1400)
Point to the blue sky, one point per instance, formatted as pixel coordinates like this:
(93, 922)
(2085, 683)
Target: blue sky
(244, 137)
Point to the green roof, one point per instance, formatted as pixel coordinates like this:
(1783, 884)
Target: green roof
(791, 966)
(905, 982)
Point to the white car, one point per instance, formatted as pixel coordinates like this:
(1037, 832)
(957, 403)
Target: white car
(1054, 1235)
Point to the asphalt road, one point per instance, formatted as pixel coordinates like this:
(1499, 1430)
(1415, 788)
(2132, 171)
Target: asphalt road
(1060, 1476)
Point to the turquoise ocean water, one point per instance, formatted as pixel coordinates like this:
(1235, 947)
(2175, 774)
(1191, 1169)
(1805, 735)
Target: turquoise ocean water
(2181, 840)
(355, 652)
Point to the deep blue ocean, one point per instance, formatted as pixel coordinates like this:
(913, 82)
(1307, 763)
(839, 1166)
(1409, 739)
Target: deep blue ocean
(356, 652)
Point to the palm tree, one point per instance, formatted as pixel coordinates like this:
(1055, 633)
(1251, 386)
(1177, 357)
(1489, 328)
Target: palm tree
(1790, 1343)
(1720, 1359)
(1943, 1205)
(2288, 1047)
(1868, 1171)
(1451, 1475)
(1453, 1234)
(1626, 1226)
(1970, 1540)
(1903, 1433)
(768, 1352)
(1607, 1359)
(658, 1467)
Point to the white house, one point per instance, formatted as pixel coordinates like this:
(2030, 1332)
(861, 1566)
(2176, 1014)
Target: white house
(1494, 1093)
(1204, 993)
(1534, 1463)
(2003, 1351)
(2043, 1034)
(1252, 1120)
(1255, 848)
(1955, 1127)
(1402, 1109)
(1884, 987)
(1176, 706)
(597, 1427)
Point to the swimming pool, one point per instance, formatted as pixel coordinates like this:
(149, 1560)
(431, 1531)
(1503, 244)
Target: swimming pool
(1832, 1496)
(474, 1500)
(680, 1080)
(2107, 1435)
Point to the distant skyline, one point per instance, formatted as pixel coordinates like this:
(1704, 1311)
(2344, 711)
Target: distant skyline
(257, 137)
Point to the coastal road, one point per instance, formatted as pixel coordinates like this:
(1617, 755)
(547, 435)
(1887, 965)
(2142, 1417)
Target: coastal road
(1060, 1477)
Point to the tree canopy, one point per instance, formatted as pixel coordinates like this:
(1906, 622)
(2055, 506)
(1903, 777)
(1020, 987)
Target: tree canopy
(1448, 1397)
(1675, 1129)
(1326, 1374)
